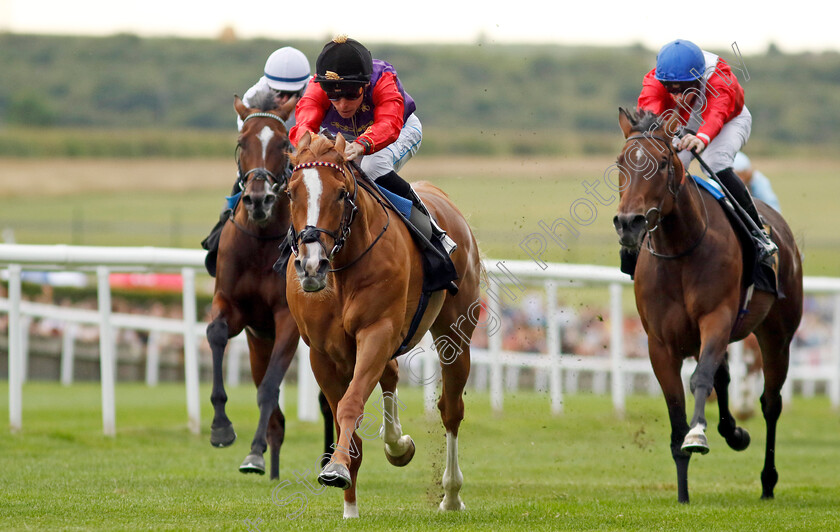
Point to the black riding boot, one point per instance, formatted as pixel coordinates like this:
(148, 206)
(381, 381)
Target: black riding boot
(432, 238)
(211, 243)
(729, 179)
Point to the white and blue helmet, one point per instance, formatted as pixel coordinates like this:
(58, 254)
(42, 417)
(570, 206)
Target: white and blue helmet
(287, 70)
(680, 61)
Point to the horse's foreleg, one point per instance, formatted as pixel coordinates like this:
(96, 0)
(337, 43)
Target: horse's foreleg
(333, 389)
(221, 429)
(714, 334)
(736, 437)
(373, 349)
(667, 367)
(329, 429)
(268, 391)
(399, 447)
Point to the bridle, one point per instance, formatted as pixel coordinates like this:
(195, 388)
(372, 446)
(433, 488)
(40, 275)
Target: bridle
(259, 173)
(310, 233)
(674, 189)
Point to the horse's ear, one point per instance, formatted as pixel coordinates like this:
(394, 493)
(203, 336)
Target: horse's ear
(625, 122)
(340, 144)
(304, 141)
(285, 110)
(240, 108)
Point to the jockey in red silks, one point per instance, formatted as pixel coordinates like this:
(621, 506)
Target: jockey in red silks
(701, 87)
(363, 99)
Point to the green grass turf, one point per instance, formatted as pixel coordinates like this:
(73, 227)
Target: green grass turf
(524, 469)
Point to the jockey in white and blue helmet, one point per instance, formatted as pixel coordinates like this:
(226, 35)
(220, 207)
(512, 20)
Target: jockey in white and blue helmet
(286, 75)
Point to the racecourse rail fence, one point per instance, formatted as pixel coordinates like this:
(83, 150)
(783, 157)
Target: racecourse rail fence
(496, 365)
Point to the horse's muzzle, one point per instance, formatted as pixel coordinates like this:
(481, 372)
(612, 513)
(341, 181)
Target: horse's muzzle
(312, 272)
(259, 206)
(630, 228)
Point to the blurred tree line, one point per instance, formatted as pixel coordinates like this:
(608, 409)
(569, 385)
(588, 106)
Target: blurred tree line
(481, 99)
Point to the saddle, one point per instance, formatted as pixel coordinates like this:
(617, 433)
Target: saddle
(756, 276)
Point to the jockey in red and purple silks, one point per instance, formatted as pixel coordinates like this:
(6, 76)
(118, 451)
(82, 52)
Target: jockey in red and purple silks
(363, 99)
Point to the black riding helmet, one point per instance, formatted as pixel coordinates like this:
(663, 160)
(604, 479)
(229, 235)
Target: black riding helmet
(343, 66)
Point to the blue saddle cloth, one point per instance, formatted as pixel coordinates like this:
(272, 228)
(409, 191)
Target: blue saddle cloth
(233, 200)
(402, 204)
(711, 188)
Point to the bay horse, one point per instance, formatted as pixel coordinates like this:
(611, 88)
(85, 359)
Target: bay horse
(248, 295)
(688, 287)
(353, 289)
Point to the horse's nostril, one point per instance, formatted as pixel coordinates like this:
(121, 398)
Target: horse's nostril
(247, 200)
(323, 266)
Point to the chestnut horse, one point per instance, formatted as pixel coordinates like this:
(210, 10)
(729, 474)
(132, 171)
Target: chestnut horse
(248, 295)
(353, 289)
(688, 286)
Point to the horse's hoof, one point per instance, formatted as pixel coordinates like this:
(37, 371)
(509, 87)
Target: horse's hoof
(695, 442)
(453, 504)
(403, 460)
(254, 463)
(336, 476)
(222, 436)
(739, 440)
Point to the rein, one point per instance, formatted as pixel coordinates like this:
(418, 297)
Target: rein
(340, 235)
(658, 209)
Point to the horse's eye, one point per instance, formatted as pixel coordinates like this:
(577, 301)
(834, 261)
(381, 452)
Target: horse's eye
(662, 164)
(342, 194)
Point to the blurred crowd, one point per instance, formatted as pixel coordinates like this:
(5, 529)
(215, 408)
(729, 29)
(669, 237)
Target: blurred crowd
(584, 329)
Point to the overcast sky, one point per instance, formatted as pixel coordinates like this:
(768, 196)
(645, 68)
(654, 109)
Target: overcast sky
(709, 23)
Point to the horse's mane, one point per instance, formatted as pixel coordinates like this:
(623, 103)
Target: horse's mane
(264, 101)
(320, 149)
(642, 120)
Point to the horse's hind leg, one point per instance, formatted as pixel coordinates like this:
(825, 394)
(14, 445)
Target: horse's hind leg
(451, 405)
(221, 429)
(275, 434)
(776, 352)
(736, 437)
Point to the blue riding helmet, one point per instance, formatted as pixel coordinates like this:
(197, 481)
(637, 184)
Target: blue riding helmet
(676, 61)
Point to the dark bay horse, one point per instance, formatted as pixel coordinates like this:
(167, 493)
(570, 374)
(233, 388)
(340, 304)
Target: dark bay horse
(248, 294)
(688, 286)
(353, 289)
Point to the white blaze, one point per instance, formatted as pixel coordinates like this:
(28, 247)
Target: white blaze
(314, 187)
(265, 137)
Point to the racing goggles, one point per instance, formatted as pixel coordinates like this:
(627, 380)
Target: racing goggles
(337, 91)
